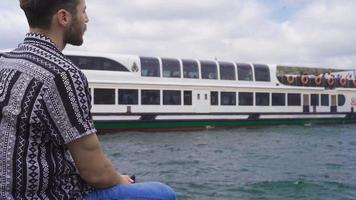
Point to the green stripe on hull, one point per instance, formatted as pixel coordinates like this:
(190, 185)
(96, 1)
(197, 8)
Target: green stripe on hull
(216, 123)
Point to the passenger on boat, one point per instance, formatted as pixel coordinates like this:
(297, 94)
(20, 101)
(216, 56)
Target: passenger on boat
(323, 77)
(49, 148)
(337, 80)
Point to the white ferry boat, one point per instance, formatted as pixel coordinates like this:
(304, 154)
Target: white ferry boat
(153, 93)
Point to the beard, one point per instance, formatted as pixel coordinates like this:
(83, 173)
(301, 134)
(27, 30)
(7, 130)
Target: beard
(74, 34)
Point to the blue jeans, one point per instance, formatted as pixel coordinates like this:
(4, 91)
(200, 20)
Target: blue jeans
(137, 191)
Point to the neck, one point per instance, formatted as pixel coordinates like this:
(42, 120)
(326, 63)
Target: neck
(55, 36)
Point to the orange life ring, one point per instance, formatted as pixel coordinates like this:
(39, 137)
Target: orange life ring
(318, 80)
(331, 81)
(304, 79)
(343, 81)
(290, 79)
(354, 81)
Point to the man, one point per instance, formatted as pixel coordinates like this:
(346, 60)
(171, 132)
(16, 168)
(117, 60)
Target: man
(48, 143)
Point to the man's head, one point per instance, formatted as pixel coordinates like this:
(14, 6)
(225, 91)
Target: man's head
(65, 16)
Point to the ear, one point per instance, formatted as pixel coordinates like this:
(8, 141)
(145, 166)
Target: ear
(64, 18)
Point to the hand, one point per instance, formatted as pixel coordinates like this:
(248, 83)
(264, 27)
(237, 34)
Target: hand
(126, 179)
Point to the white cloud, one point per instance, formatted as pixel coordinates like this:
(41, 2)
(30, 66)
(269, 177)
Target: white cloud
(326, 32)
(13, 24)
(319, 32)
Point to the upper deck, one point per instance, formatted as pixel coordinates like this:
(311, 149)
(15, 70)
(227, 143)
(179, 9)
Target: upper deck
(172, 71)
(158, 70)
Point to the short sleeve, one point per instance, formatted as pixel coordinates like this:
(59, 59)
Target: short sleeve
(68, 101)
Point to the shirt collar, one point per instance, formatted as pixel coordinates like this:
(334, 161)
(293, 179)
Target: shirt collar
(40, 39)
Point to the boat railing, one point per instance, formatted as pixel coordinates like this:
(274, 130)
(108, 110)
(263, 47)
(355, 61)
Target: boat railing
(329, 81)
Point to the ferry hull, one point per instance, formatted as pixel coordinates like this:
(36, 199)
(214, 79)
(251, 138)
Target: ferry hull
(180, 125)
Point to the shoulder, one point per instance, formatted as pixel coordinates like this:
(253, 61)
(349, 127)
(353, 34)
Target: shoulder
(73, 73)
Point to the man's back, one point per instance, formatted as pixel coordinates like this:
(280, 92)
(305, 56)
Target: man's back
(45, 104)
(47, 135)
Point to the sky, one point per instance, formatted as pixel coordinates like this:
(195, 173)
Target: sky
(317, 33)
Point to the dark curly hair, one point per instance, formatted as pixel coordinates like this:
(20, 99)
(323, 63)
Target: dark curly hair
(39, 13)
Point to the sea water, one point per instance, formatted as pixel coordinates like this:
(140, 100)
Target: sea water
(283, 162)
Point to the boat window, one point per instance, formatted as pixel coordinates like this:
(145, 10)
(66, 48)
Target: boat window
(244, 72)
(172, 97)
(188, 98)
(190, 69)
(150, 97)
(262, 73)
(314, 100)
(341, 100)
(227, 71)
(104, 96)
(128, 97)
(324, 100)
(214, 98)
(97, 63)
(262, 99)
(294, 99)
(149, 67)
(171, 68)
(278, 99)
(208, 70)
(228, 98)
(245, 98)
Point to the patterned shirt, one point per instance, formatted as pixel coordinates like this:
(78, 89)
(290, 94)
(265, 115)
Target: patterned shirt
(44, 104)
